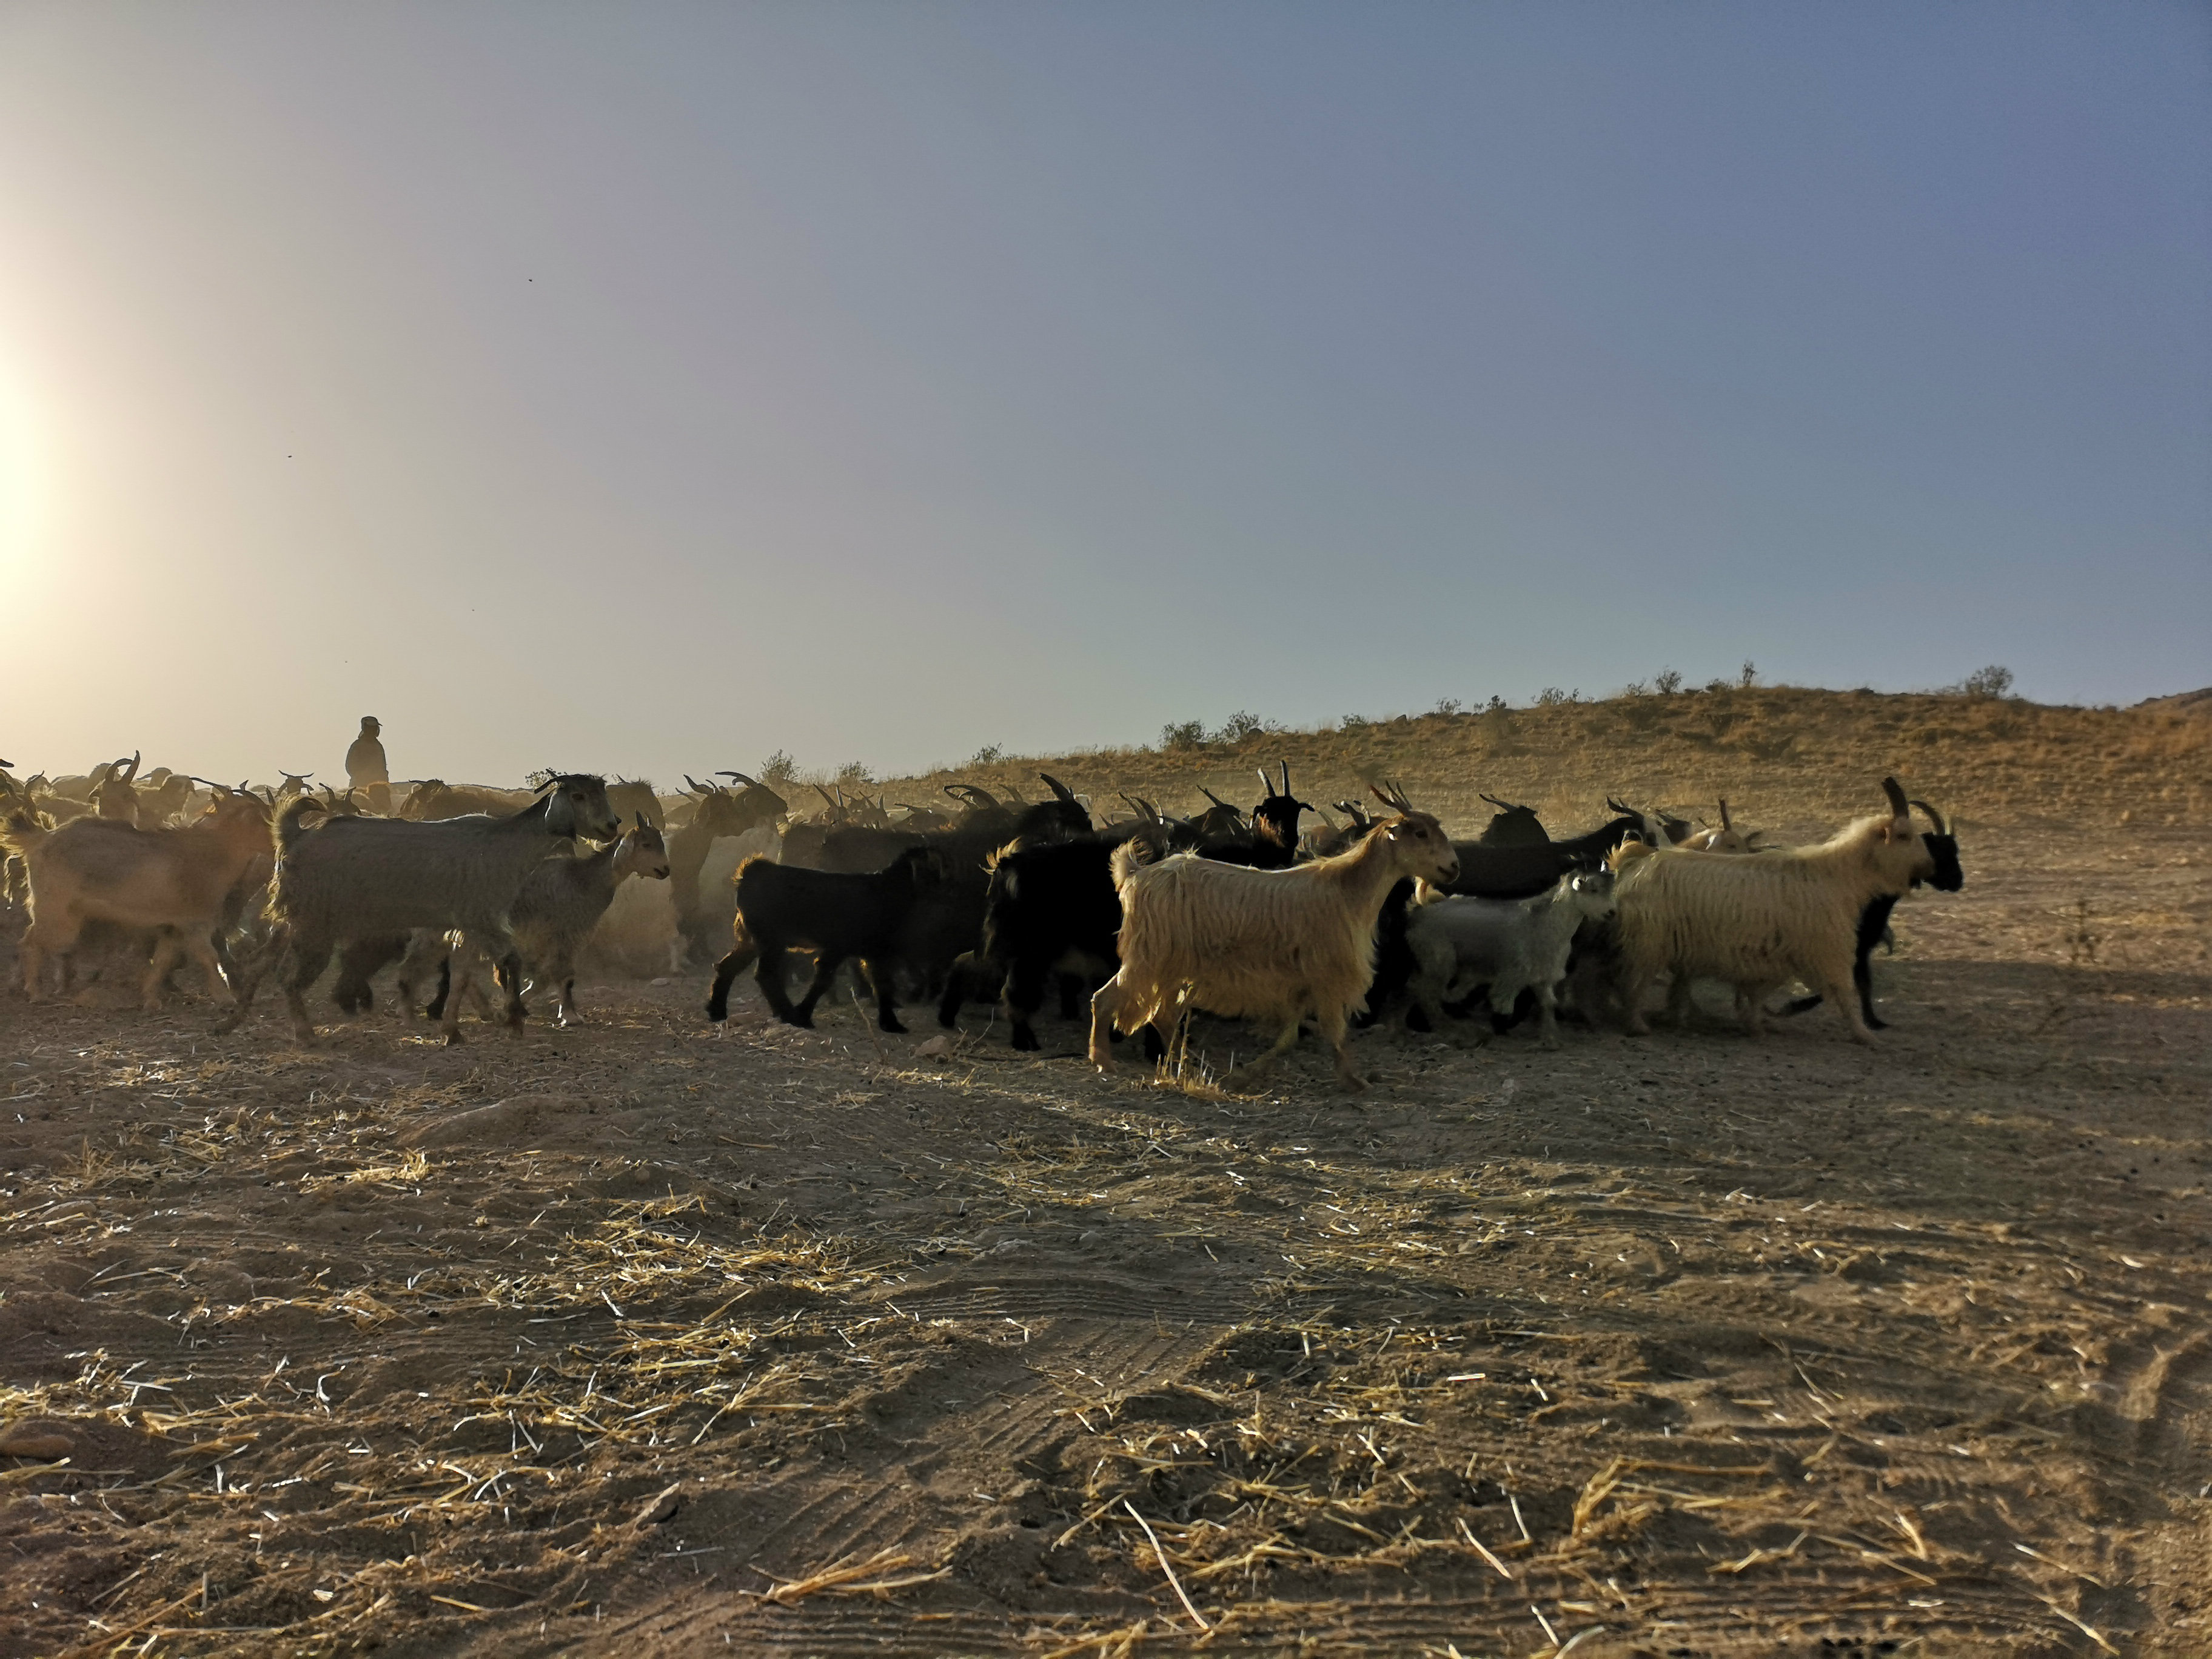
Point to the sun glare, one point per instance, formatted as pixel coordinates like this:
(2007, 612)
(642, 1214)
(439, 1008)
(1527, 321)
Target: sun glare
(22, 479)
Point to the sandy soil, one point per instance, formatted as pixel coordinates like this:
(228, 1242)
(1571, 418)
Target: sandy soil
(802, 1343)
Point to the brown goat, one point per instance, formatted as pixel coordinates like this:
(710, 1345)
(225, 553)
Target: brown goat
(175, 881)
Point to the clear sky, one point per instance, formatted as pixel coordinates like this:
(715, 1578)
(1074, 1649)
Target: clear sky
(654, 386)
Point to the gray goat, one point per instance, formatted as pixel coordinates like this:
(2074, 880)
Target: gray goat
(1509, 945)
(351, 879)
(563, 899)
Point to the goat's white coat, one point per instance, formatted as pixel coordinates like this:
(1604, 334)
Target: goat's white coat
(1511, 944)
(1760, 920)
(1273, 944)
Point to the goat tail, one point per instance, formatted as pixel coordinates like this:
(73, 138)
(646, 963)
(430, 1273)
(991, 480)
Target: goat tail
(1131, 856)
(289, 828)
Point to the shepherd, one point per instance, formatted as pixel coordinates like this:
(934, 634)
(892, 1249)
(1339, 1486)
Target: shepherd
(366, 770)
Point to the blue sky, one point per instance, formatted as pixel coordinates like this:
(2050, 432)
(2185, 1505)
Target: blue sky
(656, 387)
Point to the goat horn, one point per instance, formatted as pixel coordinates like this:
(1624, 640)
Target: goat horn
(1286, 777)
(1266, 783)
(1933, 816)
(1725, 824)
(1057, 787)
(739, 776)
(1897, 805)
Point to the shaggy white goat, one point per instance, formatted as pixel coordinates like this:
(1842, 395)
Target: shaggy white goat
(1275, 945)
(1760, 922)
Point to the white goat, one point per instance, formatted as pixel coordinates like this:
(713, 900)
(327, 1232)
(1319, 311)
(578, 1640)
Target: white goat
(1760, 922)
(1511, 944)
(1273, 944)
(1726, 839)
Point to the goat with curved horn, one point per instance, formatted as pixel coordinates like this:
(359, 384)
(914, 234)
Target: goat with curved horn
(741, 777)
(1057, 787)
(1933, 816)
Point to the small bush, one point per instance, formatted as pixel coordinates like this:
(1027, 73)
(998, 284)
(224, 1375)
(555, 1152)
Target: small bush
(1717, 685)
(854, 775)
(1497, 705)
(1550, 698)
(1636, 689)
(1185, 734)
(1355, 723)
(1748, 676)
(1994, 680)
(779, 771)
(988, 755)
(1447, 705)
(1239, 726)
(1668, 681)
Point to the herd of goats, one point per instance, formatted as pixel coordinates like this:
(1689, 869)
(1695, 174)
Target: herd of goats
(1233, 913)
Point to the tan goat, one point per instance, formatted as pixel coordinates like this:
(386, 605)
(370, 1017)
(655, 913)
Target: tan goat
(172, 881)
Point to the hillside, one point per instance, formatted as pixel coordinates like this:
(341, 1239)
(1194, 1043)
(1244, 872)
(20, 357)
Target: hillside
(1784, 757)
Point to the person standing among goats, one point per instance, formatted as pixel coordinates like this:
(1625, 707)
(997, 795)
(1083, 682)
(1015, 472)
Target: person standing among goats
(365, 767)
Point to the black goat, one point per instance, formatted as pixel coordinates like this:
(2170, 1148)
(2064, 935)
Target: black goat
(1874, 921)
(835, 913)
(1272, 840)
(1487, 870)
(1049, 910)
(1513, 825)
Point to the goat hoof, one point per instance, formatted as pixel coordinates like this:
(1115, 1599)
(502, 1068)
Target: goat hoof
(892, 1026)
(1026, 1040)
(453, 1039)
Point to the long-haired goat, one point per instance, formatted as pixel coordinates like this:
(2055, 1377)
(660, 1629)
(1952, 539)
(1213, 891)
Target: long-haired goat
(352, 879)
(1757, 922)
(1873, 921)
(1275, 945)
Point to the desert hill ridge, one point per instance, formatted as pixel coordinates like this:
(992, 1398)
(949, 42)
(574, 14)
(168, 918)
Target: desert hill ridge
(1783, 756)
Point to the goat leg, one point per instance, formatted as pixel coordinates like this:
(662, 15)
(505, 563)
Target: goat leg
(883, 972)
(1284, 1043)
(718, 996)
(303, 962)
(825, 975)
(1105, 1004)
(1024, 996)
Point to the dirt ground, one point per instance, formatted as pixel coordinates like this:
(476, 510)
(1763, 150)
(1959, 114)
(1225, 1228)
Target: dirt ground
(649, 1335)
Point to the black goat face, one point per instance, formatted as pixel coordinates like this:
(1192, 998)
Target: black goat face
(1948, 877)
